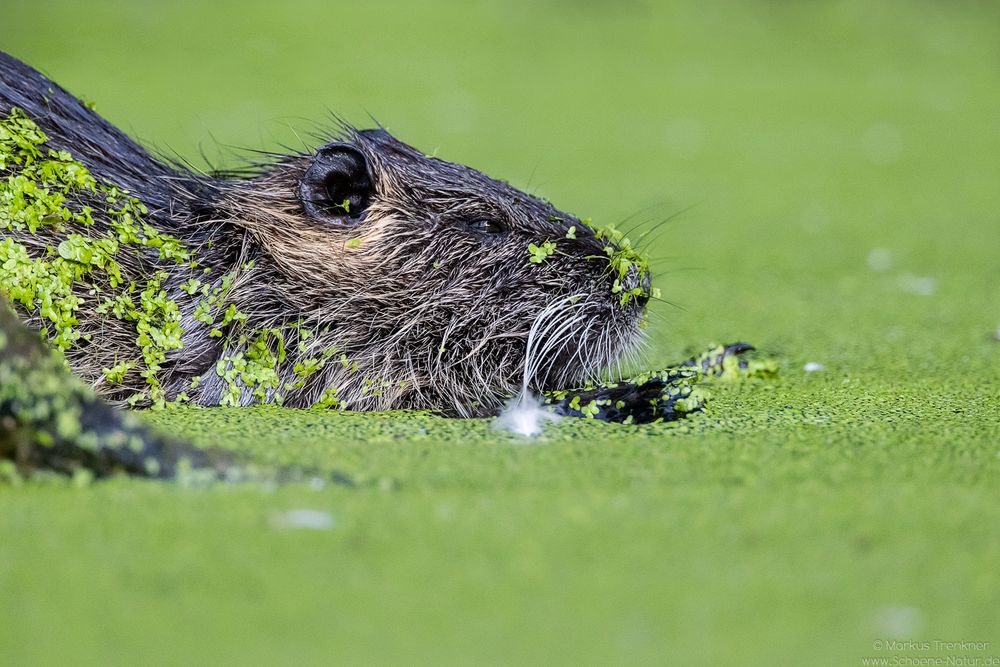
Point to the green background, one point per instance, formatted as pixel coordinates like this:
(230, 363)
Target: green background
(831, 173)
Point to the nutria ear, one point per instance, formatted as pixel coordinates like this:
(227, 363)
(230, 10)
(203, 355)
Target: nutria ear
(337, 187)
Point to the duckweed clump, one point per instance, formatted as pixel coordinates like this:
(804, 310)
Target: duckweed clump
(539, 253)
(39, 190)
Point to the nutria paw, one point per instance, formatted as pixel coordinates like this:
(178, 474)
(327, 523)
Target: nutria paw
(663, 395)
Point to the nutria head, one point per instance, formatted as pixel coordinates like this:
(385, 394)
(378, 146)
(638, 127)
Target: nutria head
(432, 275)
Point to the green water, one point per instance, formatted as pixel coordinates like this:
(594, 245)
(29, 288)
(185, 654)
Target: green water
(834, 168)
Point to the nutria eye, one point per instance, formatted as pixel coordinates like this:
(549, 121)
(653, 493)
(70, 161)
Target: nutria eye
(484, 226)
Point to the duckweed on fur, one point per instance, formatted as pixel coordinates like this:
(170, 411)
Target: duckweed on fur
(39, 190)
(623, 258)
(42, 187)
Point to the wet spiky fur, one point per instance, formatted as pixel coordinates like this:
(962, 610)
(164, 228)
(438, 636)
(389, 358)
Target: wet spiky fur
(423, 309)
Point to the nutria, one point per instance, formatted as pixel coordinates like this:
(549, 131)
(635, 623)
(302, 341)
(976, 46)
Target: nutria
(363, 275)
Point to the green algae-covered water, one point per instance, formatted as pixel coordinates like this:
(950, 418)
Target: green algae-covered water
(831, 173)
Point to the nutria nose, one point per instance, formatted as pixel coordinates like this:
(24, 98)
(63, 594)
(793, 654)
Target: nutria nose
(647, 288)
(636, 278)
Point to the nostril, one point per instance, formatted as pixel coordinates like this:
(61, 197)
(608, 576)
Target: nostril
(646, 283)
